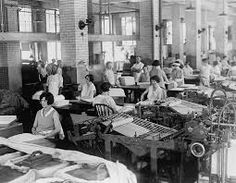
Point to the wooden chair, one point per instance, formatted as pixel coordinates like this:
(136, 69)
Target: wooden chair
(103, 110)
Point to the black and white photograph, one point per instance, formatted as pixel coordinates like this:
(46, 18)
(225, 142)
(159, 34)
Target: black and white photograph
(117, 91)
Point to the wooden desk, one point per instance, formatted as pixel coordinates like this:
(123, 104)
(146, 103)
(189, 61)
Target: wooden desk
(13, 129)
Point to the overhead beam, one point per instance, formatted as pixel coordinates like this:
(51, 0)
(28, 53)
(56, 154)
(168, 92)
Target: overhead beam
(15, 36)
(98, 38)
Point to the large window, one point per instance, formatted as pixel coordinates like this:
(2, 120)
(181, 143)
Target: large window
(52, 21)
(25, 20)
(106, 25)
(54, 50)
(128, 25)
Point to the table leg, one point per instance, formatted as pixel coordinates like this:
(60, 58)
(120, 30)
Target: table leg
(108, 149)
(154, 162)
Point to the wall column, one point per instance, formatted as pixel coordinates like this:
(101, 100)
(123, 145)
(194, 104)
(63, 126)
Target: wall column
(177, 27)
(74, 42)
(193, 44)
(145, 44)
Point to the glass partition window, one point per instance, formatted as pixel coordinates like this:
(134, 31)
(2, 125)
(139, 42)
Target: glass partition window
(25, 20)
(54, 50)
(52, 21)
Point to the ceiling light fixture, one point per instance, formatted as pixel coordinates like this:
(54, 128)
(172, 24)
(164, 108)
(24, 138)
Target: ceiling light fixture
(190, 7)
(223, 13)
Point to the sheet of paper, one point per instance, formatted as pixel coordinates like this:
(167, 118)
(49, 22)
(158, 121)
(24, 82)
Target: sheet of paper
(6, 120)
(131, 129)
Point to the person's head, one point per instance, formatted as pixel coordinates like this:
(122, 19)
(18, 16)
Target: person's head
(154, 80)
(205, 61)
(224, 57)
(39, 66)
(233, 63)
(156, 63)
(54, 69)
(218, 58)
(53, 61)
(46, 99)
(215, 63)
(176, 64)
(138, 59)
(89, 78)
(105, 87)
(109, 65)
(187, 63)
(59, 63)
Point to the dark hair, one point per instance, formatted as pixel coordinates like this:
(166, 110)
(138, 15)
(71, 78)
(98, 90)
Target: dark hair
(187, 62)
(155, 78)
(224, 56)
(215, 63)
(105, 87)
(156, 63)
(90, 76)
(48, 96)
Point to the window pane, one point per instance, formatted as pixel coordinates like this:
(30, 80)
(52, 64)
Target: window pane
(50, 21)
(25, 20)
(54, 50)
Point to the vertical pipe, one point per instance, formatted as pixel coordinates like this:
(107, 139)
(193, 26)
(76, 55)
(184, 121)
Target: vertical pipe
(2, 14)
(160, 31)
(100, 16)
(110, 17)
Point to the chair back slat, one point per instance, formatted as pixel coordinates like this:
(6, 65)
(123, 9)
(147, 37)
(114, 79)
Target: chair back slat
(103, 110)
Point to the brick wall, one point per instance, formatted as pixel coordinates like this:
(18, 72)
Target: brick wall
(4, 83)
(14, 66)
(74, 42)
(145, 44)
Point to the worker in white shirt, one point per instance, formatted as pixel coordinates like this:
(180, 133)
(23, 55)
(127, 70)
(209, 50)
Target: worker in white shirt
(109, 75)
(215, 70)
(137, 69)
(205, 73)
(188, 71)
(225, 66)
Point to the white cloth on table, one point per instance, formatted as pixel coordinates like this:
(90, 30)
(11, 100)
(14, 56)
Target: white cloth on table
(118, 172)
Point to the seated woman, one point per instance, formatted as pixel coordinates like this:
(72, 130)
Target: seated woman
(145, 77)
(47, 121)
(105, 98)
(187, 70)
(88, 90)
(215, 70)
(154, 92)
(177, 73)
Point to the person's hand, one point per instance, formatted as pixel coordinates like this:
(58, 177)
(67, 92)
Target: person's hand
(34, 132)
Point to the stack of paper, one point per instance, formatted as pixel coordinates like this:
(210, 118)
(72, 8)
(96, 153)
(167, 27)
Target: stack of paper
(7, 120)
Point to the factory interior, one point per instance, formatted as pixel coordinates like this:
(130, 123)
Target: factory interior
(117, 91)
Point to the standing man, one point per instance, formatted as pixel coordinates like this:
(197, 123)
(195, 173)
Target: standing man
(137, 69)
